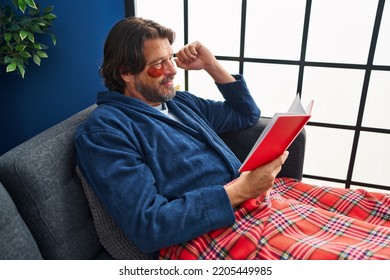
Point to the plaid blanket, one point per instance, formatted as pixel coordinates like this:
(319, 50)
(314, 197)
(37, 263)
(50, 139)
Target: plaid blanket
(295, 220)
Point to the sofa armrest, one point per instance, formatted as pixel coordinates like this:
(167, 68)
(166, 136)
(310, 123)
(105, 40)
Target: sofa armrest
(241, 143)
(40, 176)
(16, 240)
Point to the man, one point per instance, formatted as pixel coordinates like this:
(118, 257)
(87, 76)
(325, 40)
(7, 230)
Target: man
(153, 157)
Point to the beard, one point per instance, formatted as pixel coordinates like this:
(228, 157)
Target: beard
(152, 92)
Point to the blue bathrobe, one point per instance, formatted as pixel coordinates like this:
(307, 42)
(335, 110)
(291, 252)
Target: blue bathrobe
(160, 179)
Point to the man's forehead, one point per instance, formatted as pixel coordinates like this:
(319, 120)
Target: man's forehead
(155, 49)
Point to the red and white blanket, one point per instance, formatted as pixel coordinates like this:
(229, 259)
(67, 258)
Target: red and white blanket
(295, 220)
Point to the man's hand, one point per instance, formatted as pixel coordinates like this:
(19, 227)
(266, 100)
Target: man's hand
(254, 183)
(195, 56)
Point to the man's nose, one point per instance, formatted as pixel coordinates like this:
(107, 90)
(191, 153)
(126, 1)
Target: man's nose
(170, 67)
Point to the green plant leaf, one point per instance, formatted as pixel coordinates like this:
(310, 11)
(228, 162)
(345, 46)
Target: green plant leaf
(31, 3)
(44, 47)
(48, 9)
(7, 37)
(25, 55)
(50, 16)
(20, 48)
(42, 54)
(22, 5)
(37, 60)
(30, 36)
(7, 60)
(53, 39)
(11, 67)
(21, 70)
(23, 34)
(16, 37)
(34, 12)
(37, 46)
(36, 28)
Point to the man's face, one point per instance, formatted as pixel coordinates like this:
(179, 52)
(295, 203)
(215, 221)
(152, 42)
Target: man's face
(155, 83)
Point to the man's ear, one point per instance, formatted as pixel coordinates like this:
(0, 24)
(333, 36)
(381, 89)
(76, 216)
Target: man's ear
(127, 77)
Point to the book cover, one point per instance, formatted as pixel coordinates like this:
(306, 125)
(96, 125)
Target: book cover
(278, 135)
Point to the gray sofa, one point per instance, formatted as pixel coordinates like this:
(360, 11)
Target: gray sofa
(44, 212)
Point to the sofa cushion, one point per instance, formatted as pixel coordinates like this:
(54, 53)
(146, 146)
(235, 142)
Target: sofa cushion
(111, 236)
(40, 177)
(16, 241)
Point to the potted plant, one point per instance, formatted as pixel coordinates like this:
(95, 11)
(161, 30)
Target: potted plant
(23, 26)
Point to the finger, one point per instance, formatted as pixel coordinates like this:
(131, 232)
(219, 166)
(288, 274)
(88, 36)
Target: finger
(180, 55)
(177, 61)
(181, 64)
(190, 53)
(193, 48)
(274, 167)
(184, 57)
(284, 156)
(278, 161)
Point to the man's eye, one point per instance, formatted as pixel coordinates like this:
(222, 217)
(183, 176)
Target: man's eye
(157, 65)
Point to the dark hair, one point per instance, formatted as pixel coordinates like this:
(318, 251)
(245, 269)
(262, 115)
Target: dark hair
(123, 49)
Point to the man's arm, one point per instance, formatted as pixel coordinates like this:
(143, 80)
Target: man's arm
(239, 110)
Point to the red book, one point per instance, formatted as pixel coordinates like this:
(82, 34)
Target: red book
(278, 135)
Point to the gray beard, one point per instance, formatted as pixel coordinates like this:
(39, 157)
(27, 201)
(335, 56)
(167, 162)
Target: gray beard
(152, 94)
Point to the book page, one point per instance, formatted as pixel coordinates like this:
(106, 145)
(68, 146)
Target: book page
(297, 108)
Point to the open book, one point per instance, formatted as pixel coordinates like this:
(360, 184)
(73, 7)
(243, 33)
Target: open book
(278, 135)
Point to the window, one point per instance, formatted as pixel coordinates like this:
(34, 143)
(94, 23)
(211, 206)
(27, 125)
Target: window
(332, 51)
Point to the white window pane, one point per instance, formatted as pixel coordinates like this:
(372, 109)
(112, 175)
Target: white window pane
(202, 85)
(336, 94)
(179, 80)
(340, 30)
(372, 159)
(272, 86)
(376, 112)
(327, 152)
(274, 29)
(161, 12)
(217, 24)
(323, 183)
(382, 54)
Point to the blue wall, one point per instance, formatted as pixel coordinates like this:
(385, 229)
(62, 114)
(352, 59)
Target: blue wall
(67, 81)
